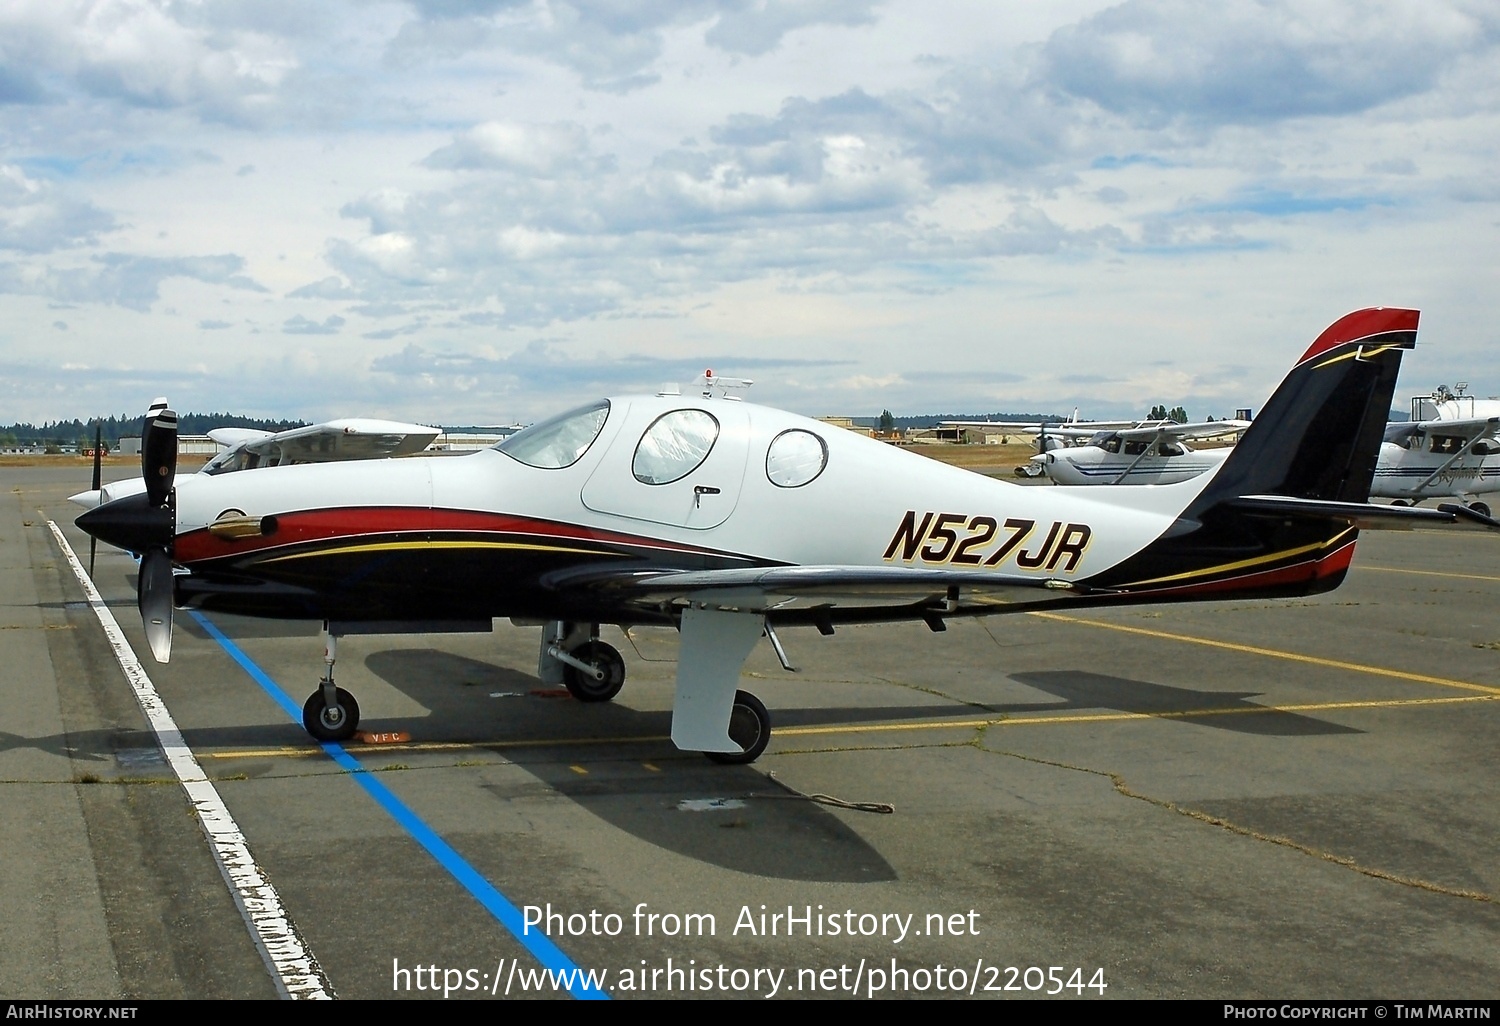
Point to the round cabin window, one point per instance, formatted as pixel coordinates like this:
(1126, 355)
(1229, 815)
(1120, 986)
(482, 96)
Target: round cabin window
(674, 446)
(795, 458)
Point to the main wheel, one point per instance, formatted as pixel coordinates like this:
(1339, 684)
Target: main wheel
(583, 686)
(331, 723)
(1402, 502)
(1480, 508)
(749, 727)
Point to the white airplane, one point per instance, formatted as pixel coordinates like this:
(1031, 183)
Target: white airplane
(359, 438)
(732, 521)
(1427, 459)
(1153, 453)
(1050, 434)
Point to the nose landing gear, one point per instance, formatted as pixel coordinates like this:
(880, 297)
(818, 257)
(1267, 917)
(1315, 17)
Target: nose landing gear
(330, 713)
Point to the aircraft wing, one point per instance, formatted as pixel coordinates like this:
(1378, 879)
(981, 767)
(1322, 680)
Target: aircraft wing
(789, 588)
(349, 439)
(1175, 431)
(229, 437)
(1031, 427)
(1476, 427)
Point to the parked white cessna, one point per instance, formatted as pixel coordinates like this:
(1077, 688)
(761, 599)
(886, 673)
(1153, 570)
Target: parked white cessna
(357, 438)
(1449, 448)
(1154, 453)
(732, 521)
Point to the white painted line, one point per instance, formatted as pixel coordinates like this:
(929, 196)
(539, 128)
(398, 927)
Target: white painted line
(294, 970)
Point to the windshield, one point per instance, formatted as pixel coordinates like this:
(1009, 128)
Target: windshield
(559, 441)
(229, 460)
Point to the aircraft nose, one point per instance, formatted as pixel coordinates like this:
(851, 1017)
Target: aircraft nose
(130, 523)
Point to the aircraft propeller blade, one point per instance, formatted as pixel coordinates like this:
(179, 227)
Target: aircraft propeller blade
(98, 473)
(146, 523)
(159, 453)
(154, 597)
(159, 466)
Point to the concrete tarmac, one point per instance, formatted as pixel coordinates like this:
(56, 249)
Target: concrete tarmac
(1224, 800)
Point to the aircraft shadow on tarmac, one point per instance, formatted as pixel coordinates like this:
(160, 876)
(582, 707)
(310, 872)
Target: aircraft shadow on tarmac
(1230, 710)
(775, 833)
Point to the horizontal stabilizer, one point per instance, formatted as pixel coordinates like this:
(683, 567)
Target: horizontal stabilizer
(1364, 515)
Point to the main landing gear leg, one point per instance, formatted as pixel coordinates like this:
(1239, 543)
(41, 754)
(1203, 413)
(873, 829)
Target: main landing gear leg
(330, 713)
(709, 714)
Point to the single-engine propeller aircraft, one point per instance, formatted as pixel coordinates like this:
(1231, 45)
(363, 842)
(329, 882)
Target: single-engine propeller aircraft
(1144, 454)
(354, 438)
(1449, 448)
(732, 521)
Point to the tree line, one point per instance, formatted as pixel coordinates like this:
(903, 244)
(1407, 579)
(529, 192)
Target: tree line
(81, 432)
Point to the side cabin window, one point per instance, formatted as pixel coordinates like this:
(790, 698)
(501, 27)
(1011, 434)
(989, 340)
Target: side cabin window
(674, 446)
(558, 441)
(1111, 444)
(1172, 449)
(795, 458)
(1447, 443)
(1134, 448)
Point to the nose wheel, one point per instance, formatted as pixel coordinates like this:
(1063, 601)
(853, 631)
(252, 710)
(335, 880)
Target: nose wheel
(330, 713)
(749, 727)
(330, 718)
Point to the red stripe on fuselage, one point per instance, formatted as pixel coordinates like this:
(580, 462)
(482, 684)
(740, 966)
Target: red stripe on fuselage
(1361, 324)
(321, 525)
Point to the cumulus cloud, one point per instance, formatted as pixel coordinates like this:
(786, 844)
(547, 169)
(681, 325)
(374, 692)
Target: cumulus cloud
(543, 366)
(1261, 60)
(121, 279)
(36, 217)
(611, 46)
(331, 287)
(536, 150)
(143, 53)
(299, 325)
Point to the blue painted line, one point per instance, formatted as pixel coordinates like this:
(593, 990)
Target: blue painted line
(550, 955)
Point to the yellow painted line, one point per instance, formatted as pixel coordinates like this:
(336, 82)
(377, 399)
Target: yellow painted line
(1184, 714)
(1296, 657)
(429, 746)
(1428, 573)
(879, 728)
(579, 770)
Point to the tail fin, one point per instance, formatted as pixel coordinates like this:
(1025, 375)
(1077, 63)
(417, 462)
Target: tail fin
(1319, 435)
(1317, 440)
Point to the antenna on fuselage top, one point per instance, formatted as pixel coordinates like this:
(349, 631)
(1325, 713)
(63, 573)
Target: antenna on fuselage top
(708, 381)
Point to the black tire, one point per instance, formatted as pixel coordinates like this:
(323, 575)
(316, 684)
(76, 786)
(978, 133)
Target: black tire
(327, 724)
(1481, 508)
(1403, 502)
(583, 686)
(749, 727)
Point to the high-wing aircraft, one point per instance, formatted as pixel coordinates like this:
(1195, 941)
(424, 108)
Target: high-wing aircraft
(1153, 453)
(357, 438)
(1050, 434)
(1438, 459)
(733, 521)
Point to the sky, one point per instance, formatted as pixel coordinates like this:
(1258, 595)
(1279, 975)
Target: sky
(484, 211)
